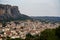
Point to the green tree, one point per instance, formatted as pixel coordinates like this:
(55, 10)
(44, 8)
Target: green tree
(58, 32)
(29, 37)
(48, 34)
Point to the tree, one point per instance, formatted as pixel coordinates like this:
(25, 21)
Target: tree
(48, 34)
(29, 37)
(58, 32)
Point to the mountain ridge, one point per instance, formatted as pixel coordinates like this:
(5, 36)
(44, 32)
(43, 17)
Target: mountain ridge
(47, 19)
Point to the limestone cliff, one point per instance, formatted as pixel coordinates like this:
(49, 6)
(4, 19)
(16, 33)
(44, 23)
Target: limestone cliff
(8, 13)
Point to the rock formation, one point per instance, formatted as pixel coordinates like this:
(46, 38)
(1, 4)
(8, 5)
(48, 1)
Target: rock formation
(8, 13)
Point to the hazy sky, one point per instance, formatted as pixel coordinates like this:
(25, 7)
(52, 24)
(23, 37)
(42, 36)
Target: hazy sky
(36, 7)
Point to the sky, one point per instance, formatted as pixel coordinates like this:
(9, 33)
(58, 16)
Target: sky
(36, 7)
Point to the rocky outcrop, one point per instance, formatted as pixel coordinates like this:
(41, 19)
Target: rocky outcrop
(8, 12)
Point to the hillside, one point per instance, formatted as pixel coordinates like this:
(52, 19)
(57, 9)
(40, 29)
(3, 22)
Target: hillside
(47, 19)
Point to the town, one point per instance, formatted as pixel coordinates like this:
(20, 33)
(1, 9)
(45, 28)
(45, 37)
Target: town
(19, 29)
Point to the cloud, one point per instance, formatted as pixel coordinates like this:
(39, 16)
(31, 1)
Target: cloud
(36, 7)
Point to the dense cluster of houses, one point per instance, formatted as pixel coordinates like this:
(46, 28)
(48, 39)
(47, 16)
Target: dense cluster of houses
(20, 29)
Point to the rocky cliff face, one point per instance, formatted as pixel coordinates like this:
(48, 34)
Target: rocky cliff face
(8, 12)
